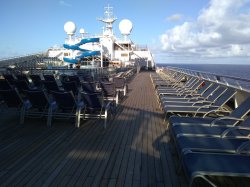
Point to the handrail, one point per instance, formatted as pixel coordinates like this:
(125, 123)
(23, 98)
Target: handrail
(220, 79)
(213, 74)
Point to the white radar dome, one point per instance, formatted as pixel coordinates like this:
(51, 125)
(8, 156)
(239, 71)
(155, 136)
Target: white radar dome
(125, 26)
(70, 28)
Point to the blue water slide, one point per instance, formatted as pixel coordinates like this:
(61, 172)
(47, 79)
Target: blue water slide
(88, 40)
(89, 53)
(70, 60)
(85, 53)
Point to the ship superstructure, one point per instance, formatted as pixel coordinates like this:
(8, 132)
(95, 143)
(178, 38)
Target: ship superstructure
(104, 49)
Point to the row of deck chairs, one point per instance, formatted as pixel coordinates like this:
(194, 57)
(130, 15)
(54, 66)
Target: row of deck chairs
(210, 140)
(69, 98)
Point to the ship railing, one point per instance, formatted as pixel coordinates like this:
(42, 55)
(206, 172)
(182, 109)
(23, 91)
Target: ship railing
(79, 38)
(229, 81)
(140, 47)
(95, 72)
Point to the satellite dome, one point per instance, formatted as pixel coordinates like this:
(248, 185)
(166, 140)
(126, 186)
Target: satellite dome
(70, 28)
(125, 26)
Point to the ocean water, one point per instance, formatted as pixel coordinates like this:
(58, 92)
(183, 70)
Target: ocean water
(242, 71)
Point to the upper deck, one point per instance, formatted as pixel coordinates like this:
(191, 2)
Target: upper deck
(134, 149)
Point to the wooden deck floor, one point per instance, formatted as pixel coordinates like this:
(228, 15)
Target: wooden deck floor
(133, 151)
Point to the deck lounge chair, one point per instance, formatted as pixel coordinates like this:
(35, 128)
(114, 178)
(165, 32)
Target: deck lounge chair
(96, 107)
(109, 92)
(180, 81)
(204, 165)
(4, 84)
(22, 77)
(202, 110)
(185, 144)
(193, 86)
(215, 149)
(71, 86)
(67, 107)
(88, 78)
(41, 106)
(195, 83)
(88, 87)
(13, 100)
(49, 77)
(241, 130)
(36, 80)
(199, 94)
(208, 94)
(75, 78)
(174, 82)
(207, 101)
(10, 78)
(230, 120)
(51, 86)
(184, 91)
(22, 85)
(165, 80)
(191, 97)
(120, 84)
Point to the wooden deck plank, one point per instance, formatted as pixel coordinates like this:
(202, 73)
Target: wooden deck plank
(69, 168)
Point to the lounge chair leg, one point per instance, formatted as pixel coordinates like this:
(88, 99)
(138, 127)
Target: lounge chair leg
(105, 118)
(178, 169)
(49, 119)
(22, 115)
(78, 118)
(117, 99)
(125, 90)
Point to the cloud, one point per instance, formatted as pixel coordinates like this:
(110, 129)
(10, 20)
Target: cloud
(175, 17)
(63, 3)
(222, 29)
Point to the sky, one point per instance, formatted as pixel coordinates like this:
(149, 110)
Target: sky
(176, 31)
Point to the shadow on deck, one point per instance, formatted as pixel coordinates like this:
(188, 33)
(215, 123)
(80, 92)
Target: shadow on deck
(134, 150)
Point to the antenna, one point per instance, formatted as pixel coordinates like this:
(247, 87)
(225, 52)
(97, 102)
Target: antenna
(108, 19)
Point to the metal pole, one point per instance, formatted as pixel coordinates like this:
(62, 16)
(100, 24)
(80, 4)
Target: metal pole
(101, 57)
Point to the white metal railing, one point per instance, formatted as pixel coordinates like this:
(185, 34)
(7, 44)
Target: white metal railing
(230, 81)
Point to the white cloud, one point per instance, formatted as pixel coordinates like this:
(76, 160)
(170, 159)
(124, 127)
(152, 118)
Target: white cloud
(63, 3)
(221, 30)
(175, 17)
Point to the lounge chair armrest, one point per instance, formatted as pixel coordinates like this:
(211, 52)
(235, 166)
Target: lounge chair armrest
(196, 95)
(199, 101)
(225, 118)
(53, 105)
(243, 147)
(193, 99)
(213, 109)
(225, 133)
(206, 106)
(108, 105)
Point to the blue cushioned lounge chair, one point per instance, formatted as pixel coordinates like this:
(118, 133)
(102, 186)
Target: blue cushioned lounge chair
(96, 107)
(67, 107)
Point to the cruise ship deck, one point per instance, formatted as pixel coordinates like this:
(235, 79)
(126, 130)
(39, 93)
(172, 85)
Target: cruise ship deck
(134, 150)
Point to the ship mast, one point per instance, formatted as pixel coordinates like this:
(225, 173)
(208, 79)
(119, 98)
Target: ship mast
(108, 19)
